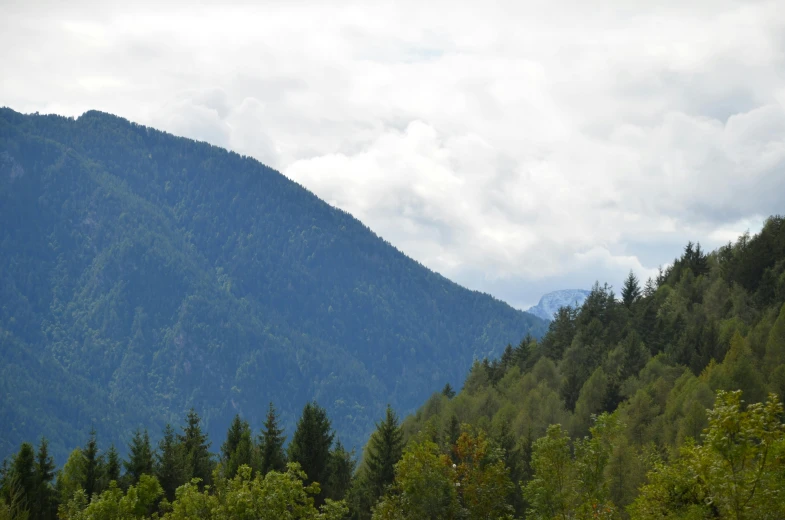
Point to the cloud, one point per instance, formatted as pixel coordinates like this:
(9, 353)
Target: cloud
(514, 147)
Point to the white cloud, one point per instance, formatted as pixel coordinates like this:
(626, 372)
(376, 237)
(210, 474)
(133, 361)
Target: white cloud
(515, 147)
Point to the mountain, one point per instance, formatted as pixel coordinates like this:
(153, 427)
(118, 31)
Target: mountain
(143, 274)
(553, 301)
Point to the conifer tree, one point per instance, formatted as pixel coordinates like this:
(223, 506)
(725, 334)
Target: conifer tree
(310, 446)
(448, 392)
(20, 480)
(271, 444)
(140, 457)
(196, 446)
(385, 449)
(45, 506)
(630, 291)
(238, 447)
(650, 288)
(170, 466)
(340, 472)
(92, 466)
(112, 472)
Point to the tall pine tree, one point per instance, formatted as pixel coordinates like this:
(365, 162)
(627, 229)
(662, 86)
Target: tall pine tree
(140, 457)
(271, 444)
(112, 470)
(199, 463)
(631, 290)
(45, 506)
(238, 447)
(92, 466)
(310, 446)
(385, 449)
(170, 468)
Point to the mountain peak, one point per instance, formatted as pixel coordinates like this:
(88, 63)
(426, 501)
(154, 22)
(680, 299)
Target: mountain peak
(551, 302)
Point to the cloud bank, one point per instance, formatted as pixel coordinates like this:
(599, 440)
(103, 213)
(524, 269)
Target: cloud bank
(514, 147)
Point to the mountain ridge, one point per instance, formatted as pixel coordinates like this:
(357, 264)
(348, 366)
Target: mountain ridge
(144, 269)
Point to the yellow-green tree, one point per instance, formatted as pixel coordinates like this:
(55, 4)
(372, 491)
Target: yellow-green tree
(737, 473)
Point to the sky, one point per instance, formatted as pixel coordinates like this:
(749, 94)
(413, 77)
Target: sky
(515, 147)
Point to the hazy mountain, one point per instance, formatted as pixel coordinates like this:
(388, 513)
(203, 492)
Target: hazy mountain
(142, 274)
(553, 301)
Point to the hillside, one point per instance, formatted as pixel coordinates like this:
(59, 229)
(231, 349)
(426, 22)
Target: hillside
(619, 411)
(142, 274)
(551, 302)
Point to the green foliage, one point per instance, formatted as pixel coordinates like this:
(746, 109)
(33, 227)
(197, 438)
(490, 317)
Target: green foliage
(424, 487)
(113, 504)
(273, 496)
(737, 473)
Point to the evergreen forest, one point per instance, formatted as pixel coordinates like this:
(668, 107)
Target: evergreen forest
(664, 401)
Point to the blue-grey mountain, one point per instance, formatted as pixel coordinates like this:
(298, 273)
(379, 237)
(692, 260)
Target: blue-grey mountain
(553, 301)
(142, 274)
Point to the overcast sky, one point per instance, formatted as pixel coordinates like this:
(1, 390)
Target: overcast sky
(515, 147)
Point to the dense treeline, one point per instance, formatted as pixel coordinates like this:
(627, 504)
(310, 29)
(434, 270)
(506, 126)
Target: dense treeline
(143, 274)
(181, 477)
(663, 403)
(611, 408)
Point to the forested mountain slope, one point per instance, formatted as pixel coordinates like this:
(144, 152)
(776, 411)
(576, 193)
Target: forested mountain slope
(142, 274)
(619, 410)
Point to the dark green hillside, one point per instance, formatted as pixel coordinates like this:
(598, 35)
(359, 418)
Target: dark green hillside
(142, 274)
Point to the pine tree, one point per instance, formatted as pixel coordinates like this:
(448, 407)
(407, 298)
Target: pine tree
(310, 446)
(112, 471)
(20, 480)
(631, 291)
(45, 506)
(448, 391)
(170, 465)
(385, 449)
(453, 431)
(238, 447)
(650, 288)
(341, 470)
(197, 449)
(140, 457)
(92, 466)
(271, 444)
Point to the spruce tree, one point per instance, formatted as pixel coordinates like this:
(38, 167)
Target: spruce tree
(341, 471)
(197, 449)
(140, 457)
(310, 446)
(631, 291)
(112, 471)
(45, 505)
(92, 466)
(271, 444)
(650, 288)
(448, 392)
(170, 466)
(238, 447)
(384, 451)
(21, 479)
